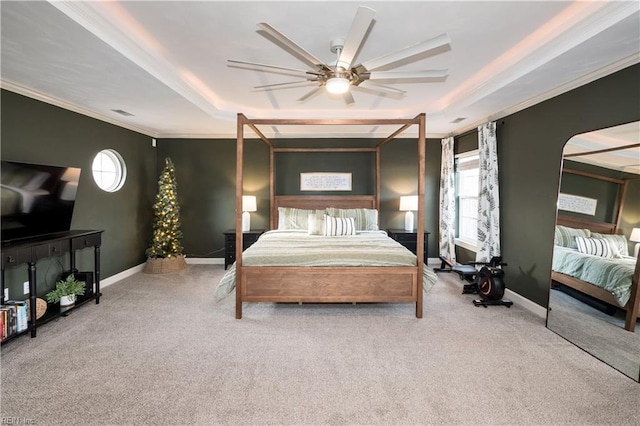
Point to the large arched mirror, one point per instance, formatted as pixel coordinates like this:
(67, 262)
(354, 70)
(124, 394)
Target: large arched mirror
(594, 300)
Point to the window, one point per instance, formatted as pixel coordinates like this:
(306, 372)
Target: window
(109, 171)
(467, 188)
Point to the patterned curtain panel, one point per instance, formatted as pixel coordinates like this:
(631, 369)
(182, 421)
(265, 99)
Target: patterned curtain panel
(488, 197)
(447, 202)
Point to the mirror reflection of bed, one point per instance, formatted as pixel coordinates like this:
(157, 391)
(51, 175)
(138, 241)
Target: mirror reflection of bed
(594, 300)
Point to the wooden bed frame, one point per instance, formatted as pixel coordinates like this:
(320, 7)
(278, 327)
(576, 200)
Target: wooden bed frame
(633, 305)
(328, 284)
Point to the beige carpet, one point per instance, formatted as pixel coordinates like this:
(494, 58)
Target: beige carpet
(158, 350)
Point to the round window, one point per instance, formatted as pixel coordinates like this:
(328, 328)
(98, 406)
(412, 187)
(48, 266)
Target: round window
(109, 170)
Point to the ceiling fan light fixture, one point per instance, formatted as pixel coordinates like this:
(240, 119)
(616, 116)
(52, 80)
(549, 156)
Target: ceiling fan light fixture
(338, 85)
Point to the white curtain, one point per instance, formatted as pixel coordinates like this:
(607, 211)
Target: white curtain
(488, 197)
(447, 201)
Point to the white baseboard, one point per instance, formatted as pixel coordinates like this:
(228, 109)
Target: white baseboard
(121, 275)
(526, 303)
(138, 268)
(205, 260)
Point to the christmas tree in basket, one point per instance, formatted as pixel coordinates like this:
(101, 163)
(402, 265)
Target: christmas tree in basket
(165, 252)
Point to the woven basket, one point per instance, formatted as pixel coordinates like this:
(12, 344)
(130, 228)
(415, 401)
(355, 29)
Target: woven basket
(41, 307)
(164, 265)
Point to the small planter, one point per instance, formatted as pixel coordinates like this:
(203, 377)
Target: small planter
(164, 265)
(68, 300)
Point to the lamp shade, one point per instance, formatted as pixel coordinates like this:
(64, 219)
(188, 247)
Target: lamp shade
(249, 203)
(408, 203)
(635, 235)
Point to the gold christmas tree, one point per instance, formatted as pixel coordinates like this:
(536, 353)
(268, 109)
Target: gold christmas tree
(166, 224)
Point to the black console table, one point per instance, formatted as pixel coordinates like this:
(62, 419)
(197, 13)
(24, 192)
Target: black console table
(31, 250)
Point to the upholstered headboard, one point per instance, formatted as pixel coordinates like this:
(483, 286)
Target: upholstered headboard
(310, 202)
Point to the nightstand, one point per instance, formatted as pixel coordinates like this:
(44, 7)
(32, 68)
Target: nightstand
(248, 238)
(409, 240)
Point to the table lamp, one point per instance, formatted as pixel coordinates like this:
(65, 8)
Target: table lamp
(635, 237)
(408, 203)
(248, 205)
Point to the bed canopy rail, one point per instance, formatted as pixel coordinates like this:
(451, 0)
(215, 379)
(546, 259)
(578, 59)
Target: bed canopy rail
(622, 194)
(242, 121)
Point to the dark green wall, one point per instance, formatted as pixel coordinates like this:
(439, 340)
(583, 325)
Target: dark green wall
(606, 194)
(37, 132)
(205, 172)
(530, 145)
(206, 177)
(289, 165)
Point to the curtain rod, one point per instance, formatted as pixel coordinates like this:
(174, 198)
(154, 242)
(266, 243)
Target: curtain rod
(470, 131)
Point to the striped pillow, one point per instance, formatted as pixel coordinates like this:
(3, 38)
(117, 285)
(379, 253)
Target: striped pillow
(292, 218)
(339, 226)
(566, 236)
(594, 246)
(617, 243)
(365, 219)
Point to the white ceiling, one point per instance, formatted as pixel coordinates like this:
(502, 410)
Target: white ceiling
(166, 62)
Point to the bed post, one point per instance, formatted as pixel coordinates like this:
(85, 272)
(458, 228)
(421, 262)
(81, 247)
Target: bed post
(239, 187)
(633, 306)
(420, 230)
(272, 189)
(378, 181)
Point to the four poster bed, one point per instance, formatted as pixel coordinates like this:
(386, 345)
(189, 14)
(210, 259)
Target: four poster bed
(262, 274)
(612, 279)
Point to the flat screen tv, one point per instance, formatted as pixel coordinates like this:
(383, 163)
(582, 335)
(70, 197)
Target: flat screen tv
(37, 200)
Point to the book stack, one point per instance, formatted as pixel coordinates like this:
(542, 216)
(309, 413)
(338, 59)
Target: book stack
(14, 318)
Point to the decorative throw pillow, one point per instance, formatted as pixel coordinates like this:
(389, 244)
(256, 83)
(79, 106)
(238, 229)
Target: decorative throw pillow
(292, 218)
(617, 243)
(365, 219)
(316, 224)
(566, 236)
(339, 226)
(594, 246)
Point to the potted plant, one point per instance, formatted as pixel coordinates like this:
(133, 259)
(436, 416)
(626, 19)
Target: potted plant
(66, 291)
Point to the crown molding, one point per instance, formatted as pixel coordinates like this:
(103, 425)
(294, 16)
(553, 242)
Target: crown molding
(52, 100)
(586, 21)
(564, 88)
(114, 26)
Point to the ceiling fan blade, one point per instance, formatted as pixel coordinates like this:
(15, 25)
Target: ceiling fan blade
(422, 47)
(311, 94)
(390, 75)
(255, 64)
(348, 98)
(380, 90)
(302, 53)
(290, 83)
(359, 26)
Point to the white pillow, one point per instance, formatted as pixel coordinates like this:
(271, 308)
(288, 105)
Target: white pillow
(339, 226)
(316, 224)
(594, 246)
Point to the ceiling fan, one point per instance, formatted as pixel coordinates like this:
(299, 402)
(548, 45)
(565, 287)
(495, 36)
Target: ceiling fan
(338, 78)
